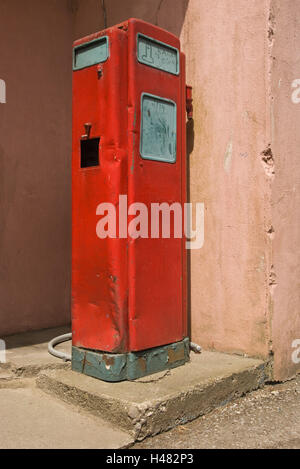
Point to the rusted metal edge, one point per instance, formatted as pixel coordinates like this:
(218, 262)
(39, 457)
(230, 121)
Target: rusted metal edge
(129, 366)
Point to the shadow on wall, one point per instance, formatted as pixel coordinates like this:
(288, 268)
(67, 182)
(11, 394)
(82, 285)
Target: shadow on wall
(27, 339)
(190, 135)
(35, 149)
(93, 15)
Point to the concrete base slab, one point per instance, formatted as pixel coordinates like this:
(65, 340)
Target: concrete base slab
(30, 419)
(159, 402)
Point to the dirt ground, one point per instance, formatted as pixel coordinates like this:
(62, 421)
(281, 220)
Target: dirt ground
(267, 418)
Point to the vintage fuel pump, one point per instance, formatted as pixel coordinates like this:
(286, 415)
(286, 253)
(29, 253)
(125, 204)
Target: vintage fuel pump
(129, 294)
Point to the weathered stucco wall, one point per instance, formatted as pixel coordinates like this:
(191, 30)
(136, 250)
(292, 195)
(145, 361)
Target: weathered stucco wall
(35, 142)
(242, 58)
(243, 61)
(226, 47)
(285, 144)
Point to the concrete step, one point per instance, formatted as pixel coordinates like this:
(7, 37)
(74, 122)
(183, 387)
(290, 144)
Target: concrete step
(5, 375)
(162, 401)
(31, 419)
(27, 353)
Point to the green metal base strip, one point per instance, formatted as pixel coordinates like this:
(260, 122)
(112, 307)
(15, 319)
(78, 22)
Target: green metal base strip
(130, 366)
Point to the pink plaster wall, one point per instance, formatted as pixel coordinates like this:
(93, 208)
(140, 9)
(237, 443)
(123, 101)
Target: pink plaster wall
(285, 142)
(226, 47)
(90, 15)
(35, 143)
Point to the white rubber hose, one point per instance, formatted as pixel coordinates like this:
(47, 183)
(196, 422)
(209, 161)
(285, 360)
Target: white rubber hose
(58, 340)
(195, 347)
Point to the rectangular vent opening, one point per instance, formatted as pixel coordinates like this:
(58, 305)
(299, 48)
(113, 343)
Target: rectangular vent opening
(90, 152)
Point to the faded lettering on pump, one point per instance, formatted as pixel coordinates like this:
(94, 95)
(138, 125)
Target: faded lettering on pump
(157, 54)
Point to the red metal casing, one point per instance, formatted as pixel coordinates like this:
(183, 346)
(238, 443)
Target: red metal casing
(127, 294)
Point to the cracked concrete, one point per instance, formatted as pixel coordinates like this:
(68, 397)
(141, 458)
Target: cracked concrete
(268, 418)
(146, 408)
(40, 391)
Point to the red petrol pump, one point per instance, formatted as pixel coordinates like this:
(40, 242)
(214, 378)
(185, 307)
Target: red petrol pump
(129, 293)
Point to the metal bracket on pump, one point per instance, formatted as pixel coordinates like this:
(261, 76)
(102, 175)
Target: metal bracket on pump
(189, 101)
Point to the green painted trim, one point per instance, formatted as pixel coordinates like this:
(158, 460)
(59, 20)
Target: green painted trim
(173, 127)
(91, 52)
(161, 45)
(130, 366)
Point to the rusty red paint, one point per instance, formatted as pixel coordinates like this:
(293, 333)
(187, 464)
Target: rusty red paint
(127, 295)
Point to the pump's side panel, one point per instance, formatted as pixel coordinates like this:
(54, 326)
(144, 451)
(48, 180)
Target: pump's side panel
(99, 266)
(157, 304)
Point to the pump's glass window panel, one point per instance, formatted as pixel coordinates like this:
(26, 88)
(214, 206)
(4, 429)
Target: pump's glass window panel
(157, 54)
(90, 53)
(158, 128)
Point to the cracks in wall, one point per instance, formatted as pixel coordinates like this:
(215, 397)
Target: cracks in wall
(271, 26)
(271, 37)
(272, 284)
(267, 159)
(73, 5)
(104, 13)
(158, 11)
(271, 34)
(270, 290)
(271, 233)
(272, 280)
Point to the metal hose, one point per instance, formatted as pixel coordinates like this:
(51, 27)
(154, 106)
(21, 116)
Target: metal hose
(195, 347)
(58, 340)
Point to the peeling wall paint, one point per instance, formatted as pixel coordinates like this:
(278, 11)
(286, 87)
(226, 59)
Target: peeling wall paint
(228, 157)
